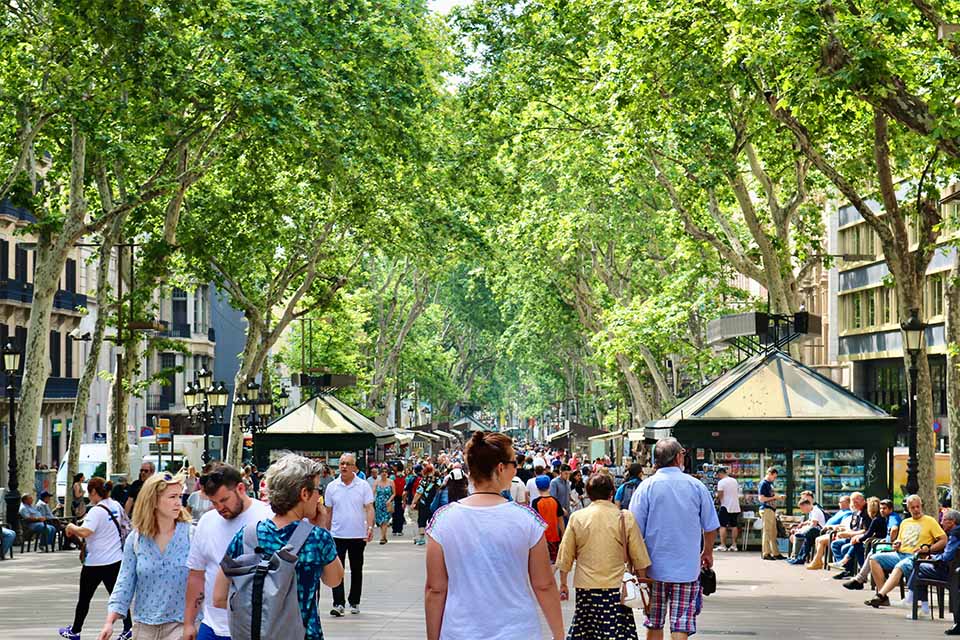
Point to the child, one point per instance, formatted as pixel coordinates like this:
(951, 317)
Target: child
(550, 510)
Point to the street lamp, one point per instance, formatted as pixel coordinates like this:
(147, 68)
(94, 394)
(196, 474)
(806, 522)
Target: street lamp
(254, 409)
(913, 334)
(283, 400)
(11, 365)
(205, 403)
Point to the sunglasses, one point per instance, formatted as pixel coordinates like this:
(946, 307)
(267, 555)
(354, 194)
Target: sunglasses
(513, 462)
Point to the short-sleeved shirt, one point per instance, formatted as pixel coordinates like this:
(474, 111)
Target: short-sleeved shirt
(550, 510)
(731, 494)
(317, 552)
(766, 490)
(915, 532)
(347, 501)
(478, 544)
(673, 510)
(893, 521)
(210, 541)
(103, 546)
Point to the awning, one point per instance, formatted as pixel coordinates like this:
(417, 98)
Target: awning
(425, 434)
(471, 424)
(607, 436)
(636, 435)
(556, 435)
(445, 434)
(403, 437)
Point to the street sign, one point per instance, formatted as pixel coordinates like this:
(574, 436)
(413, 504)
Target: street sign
(100, 438)
(159, 447)
(162, 428)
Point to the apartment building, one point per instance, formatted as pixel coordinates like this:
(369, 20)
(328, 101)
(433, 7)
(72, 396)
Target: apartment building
(867, 332)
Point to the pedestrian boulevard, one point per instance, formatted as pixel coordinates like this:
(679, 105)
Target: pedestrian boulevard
(755, 599)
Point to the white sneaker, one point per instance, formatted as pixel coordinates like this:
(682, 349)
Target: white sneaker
(731, 548)
(719, 549)
(922, 611)
(907, 599)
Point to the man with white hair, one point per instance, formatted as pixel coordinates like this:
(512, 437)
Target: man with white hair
(351, 506)
(679, 523)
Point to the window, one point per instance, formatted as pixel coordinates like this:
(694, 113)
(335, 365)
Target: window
(935, 299)
(71, 273)
(20, 264)
(168, 392)
(54, 354)
(4, 260)
(179, 305)
(871, 308)
(68, 364)
(856, 313)
(20, 337)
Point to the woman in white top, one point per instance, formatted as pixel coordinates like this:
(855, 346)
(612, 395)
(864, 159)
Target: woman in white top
(103, 552)
(486, 535)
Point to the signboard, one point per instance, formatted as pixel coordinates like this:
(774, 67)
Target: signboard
(146, 432)
(160, 447)
(57, 425)
(162, 429)
(100, 438)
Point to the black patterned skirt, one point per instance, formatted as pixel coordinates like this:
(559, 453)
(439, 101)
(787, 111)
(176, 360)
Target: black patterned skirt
(598, 615)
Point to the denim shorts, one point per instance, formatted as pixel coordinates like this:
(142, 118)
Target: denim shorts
(890, 560)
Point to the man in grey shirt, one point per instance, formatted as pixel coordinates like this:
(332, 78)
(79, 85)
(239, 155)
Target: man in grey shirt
(560, 489)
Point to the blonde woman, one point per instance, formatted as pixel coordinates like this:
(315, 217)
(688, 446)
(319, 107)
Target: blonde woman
(154, 569)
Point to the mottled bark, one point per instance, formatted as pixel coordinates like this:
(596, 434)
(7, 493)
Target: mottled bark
(953, 374)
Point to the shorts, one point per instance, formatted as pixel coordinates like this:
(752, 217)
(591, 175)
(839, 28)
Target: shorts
(685, 601)
(890, 560)
(166, 631)
(206, 633)
(553, 548)
(728, 519)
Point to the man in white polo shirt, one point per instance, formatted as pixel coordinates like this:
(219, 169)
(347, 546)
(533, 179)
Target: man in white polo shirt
(350, 501)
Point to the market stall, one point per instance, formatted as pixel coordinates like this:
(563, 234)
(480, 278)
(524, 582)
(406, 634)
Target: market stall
(771, 410)
(573, 436)
(322, 428)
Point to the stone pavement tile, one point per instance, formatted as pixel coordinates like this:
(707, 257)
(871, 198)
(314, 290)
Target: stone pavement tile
(755, 600)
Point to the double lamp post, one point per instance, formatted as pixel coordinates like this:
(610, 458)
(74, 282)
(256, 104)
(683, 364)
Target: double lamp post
(205, 404)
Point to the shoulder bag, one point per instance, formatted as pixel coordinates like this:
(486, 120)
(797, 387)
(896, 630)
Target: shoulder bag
(634, 592)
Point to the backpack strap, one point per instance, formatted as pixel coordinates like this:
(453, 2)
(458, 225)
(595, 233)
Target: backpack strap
(299, 537)
(251, 541)
(115, 523)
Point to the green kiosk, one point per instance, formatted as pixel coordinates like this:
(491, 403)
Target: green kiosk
(772, 411)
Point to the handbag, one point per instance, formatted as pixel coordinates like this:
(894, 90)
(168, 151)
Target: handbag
(634, 592)
(708, 581)
(781, 530)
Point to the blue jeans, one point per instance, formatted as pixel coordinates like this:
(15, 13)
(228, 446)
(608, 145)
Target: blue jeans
(936, 572)
(48, 530)
(206, 633)
(6, 542)
(850, 549)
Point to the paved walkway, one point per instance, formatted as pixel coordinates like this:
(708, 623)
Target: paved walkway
(755, 599)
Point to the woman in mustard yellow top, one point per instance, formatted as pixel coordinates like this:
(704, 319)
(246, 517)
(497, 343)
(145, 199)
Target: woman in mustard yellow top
(594, 540)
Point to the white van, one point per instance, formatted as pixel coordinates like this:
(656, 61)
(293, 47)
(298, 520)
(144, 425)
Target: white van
(93, 462)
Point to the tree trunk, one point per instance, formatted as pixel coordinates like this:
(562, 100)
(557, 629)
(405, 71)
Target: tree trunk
(90, 367)
(252, 343)
(117, 413)
(642, 409)
(36, 353)
(953, 375)
(666, 395)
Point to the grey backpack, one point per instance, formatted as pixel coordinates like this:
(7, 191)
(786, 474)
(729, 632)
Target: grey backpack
(263, 590)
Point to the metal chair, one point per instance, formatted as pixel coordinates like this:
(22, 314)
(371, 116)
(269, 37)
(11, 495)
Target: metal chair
(949, 585)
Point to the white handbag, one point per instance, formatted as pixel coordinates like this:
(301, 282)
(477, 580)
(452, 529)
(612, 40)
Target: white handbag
(634, 592)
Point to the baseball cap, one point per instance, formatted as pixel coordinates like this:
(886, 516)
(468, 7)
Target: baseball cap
(543, 482)
(45, 494)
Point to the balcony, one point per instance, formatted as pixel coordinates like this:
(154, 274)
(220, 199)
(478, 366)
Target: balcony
(158, 402)
(68, 300)
(17, 213)
(179, 330)
(16, 290)
(61, 388)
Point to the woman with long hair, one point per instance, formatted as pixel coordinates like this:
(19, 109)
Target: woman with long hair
(101, 556)
(485, 534)
(154, 572)
(382, 501)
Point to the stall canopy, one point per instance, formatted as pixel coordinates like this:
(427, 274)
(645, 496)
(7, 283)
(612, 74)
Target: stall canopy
(469, 424)
(323, 423)
(573, 435)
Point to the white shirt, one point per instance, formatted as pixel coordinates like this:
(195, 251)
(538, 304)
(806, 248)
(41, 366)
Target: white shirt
(731, 494)
(540, 462)
(517, 491)
(488, 541)
(103, 547)
(816, 518)
(210, 541)
(532, 491)
(347, 502)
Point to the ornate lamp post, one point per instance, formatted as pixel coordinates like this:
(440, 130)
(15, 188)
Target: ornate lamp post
(254, 409)
(913, 334)
(11, 366)
(205, 404)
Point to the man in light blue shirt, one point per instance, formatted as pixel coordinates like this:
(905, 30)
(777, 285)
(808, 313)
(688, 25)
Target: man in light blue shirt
(679, 523)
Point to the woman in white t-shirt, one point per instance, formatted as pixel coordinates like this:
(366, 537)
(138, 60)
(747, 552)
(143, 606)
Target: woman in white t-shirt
(474, 547)
(103, 552)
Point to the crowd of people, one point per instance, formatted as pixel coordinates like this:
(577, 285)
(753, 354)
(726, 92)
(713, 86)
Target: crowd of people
(176, 552)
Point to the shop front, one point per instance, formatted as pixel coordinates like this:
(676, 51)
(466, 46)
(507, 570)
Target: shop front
(772, 411)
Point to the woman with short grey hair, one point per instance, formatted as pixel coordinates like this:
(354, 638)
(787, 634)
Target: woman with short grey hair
(286, 477)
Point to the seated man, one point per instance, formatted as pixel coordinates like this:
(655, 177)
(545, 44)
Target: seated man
(808, 530)
(43, 506)
(917, 531)
(34, 521)
(937, 569)
(853, 553)
(6, 541)
(837, 520)
(857, 525)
